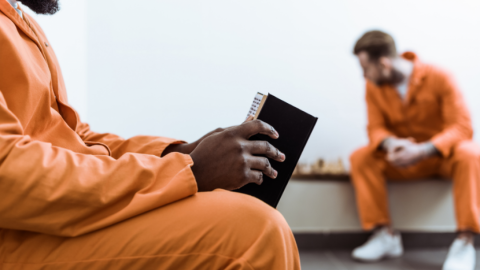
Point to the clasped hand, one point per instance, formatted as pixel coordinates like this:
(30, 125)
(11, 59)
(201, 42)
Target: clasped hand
(404, 152)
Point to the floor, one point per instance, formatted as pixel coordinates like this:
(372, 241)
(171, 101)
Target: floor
(431, 259)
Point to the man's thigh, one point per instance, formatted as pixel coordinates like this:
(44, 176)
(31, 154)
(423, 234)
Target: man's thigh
(367, 159)
(464, 153)
(430, 167)
(205, 231)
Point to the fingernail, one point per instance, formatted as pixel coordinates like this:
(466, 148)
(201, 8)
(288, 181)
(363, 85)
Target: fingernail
(275, 173)
(282, 156)
(275, 132)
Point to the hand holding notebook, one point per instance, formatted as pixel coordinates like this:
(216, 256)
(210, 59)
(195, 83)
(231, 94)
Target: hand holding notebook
(295, 127)
(229, 160)
(250, 157)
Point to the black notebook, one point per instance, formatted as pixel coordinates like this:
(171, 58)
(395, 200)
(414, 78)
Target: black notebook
(294, 127)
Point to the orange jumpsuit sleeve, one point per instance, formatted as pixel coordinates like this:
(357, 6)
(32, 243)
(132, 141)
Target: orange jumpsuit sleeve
(376, 127)
(56, 191)
(455, 114)
(152, 145)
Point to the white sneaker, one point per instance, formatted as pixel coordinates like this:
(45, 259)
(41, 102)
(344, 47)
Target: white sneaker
(461, 256)
(380, 245)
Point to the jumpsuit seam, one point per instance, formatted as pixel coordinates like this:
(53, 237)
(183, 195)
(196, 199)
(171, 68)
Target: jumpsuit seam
(130, 258)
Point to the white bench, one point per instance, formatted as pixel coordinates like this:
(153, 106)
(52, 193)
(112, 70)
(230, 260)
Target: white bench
(329, 206)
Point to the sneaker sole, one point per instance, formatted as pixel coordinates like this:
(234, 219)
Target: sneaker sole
(386, 257)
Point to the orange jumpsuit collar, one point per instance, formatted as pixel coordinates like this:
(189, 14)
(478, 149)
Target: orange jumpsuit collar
(11, 13)
(418, 74)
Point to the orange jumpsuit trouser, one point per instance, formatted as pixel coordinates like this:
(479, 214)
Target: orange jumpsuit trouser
(210, 230)
(369, 170)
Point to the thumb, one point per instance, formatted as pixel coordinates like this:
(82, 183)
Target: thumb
(249, 118)
(396, 154)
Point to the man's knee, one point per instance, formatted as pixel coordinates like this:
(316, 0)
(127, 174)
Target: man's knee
(251, 223)
(251, 208)
(259, 233)
(361, 157)
(466, 151)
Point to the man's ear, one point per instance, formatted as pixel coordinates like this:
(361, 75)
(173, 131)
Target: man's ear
(385, 62)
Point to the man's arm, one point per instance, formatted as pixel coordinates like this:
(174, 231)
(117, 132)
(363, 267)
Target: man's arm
(457, 122)
(152, 145)
(56, 191)
(457, 127)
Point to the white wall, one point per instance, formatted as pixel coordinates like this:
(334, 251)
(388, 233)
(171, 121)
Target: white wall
(67, 33)
(153, 67)
(183, 68)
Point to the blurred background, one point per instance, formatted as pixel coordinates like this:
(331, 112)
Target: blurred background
(183, 68)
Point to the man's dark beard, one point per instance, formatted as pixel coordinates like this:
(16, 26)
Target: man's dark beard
(395, 78)
(42, 6)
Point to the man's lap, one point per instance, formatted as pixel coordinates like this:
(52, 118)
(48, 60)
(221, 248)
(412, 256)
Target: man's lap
(439, 167)
(213, 227)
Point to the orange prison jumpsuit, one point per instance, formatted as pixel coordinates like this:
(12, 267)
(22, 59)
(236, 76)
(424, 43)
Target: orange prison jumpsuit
(71, 198)
(434, 110)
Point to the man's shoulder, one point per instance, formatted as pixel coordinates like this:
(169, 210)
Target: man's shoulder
(438, 79)
(6, 23)
(424, 69)
(8, 32)
(435, 72)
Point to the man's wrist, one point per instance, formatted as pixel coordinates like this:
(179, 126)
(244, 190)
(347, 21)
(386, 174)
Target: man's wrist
(428, 149)
(184, 148)
(385, 143)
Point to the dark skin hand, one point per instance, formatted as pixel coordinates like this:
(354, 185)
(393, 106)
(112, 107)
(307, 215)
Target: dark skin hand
(228, 160)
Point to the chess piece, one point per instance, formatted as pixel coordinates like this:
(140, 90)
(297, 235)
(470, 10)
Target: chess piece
(304, 169)
(318, 166)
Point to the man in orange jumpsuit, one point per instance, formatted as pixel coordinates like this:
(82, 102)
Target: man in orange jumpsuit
(71, 198)
(419, 126)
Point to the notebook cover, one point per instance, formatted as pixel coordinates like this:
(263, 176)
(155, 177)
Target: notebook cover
(294, 127)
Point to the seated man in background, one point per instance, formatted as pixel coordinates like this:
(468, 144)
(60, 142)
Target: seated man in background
(418, 126)
(75, 199)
